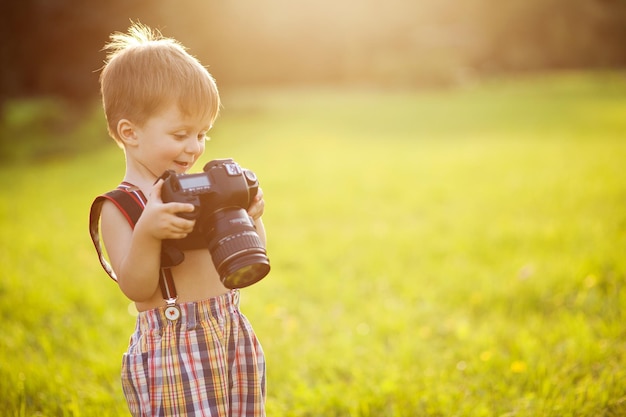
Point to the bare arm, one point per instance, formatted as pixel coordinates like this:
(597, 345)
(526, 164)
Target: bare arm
(135, 255)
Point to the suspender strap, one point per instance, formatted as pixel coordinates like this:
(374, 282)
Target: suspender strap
(131, 202)
(167, 284)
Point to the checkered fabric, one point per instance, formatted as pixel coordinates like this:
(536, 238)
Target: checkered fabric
(207, 363)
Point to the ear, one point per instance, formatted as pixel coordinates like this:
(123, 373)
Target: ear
(126, 131)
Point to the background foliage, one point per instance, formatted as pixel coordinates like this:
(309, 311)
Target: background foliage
(51, 51)
(443, 253)
(444, 242)
(53, 47)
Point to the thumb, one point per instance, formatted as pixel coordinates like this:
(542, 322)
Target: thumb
(155, 194)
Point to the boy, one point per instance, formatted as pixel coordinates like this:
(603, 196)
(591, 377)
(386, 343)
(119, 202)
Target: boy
(159, 103)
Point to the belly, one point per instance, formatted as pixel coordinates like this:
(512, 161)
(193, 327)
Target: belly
(195, 279)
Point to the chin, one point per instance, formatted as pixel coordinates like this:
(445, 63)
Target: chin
(179, 169)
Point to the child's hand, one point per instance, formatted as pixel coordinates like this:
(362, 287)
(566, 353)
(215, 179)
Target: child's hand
(161, 220)
(257, 207)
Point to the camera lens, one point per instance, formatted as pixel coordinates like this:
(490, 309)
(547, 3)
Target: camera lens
(236, 248)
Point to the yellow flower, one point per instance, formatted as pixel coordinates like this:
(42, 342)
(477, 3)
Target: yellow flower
(518, 367)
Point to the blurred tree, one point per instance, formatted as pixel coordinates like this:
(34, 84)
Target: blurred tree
(551, 34)
(53, 47)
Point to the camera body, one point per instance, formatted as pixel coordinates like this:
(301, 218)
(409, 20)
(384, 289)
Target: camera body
(220, 196)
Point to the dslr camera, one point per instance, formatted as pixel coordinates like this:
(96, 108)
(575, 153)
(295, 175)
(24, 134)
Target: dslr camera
(221, 194)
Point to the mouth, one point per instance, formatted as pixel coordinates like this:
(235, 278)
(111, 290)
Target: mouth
(183, 165)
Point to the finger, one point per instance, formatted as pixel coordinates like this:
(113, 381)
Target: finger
(178, 235)
(257, 201)
(259, 194)
(180, 207)
(188, 208)
(256, 210)
(184, 225)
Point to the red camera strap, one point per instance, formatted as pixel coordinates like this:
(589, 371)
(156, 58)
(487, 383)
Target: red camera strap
(131, 202)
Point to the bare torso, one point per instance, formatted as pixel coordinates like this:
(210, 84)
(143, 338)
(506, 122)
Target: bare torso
(190, 285)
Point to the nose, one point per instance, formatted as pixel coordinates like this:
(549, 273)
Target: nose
(194, 146)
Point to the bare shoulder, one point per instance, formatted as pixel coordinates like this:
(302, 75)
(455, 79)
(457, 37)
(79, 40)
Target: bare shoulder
(115, 229)
(111, 217)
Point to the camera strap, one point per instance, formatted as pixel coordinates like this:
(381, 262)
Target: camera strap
(131, 202)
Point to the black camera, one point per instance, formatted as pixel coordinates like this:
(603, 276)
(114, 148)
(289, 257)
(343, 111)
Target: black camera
(221, 194)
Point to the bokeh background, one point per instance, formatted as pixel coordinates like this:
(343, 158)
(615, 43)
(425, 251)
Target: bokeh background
(445, 201)
(52, 47)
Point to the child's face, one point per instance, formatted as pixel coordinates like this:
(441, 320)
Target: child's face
(169, 140)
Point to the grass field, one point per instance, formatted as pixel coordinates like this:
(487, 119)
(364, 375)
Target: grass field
(450, 253)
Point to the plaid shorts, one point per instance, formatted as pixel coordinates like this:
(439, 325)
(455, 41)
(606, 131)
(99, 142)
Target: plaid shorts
(207, 363)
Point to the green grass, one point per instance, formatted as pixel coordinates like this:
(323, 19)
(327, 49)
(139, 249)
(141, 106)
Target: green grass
(451, 253)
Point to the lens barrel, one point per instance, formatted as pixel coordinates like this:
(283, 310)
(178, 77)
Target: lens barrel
(236, 248)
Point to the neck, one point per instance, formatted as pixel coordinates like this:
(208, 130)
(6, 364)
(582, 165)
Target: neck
(139, 176)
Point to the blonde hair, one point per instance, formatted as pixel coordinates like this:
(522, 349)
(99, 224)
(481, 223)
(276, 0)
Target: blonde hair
(145, 71)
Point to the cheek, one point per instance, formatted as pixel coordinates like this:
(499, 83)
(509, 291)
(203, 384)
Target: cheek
(173, 149)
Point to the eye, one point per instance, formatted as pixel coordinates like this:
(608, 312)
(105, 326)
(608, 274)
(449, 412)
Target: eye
(180, 136)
